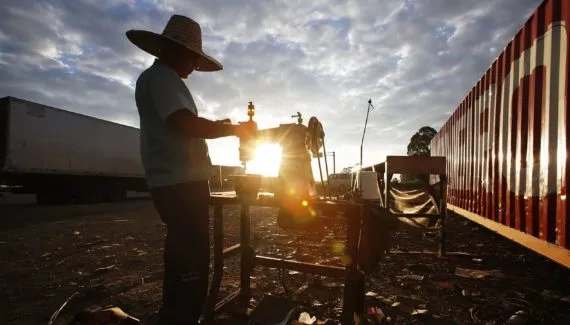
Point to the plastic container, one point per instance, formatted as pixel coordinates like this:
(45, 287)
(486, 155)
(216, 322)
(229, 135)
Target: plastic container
(370, 189)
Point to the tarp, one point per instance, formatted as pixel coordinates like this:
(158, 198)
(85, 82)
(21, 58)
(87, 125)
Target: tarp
(405, 200)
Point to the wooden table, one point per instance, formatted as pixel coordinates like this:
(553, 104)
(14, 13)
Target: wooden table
(353, 292)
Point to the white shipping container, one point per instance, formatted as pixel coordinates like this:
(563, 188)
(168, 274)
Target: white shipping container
(47, 140)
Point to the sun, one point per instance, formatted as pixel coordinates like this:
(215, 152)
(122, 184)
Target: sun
(266, 161)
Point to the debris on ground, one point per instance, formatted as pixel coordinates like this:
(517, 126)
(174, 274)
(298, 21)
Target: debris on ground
(480, 281)
(305, 318)
(469, 293)
(410, 277)
(478, 274)
(519, 318)
(100, 270)
(548, 294)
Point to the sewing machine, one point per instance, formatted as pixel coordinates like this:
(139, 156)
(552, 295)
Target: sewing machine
(295, 185)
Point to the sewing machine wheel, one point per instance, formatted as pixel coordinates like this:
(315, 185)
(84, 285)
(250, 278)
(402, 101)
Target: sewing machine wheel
(317, 135)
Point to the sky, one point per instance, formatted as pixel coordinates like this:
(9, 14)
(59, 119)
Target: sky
(415, 59)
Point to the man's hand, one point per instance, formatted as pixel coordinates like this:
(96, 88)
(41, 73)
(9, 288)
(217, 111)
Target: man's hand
(241, 130)
(188, 124)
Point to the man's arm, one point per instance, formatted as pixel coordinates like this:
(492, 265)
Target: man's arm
(190, 125)
(172, 105)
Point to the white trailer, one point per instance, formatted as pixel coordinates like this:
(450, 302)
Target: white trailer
(67, 157)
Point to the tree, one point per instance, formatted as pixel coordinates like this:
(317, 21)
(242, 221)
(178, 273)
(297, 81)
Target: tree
(420, 143)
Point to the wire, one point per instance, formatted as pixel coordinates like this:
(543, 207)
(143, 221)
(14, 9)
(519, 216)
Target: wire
(54, 316)
(493, 309)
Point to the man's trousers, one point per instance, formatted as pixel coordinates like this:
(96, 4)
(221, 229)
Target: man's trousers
(184, 208)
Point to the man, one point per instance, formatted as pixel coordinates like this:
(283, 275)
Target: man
(176, 160)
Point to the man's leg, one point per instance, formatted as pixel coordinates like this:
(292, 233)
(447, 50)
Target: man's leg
(184, 209)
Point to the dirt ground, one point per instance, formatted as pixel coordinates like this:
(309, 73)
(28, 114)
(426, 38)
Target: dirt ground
(112, 254)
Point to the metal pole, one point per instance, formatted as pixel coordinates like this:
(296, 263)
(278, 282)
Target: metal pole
(322, 180)
(334, 163)
(326, 166)
(334, 160)
(221, 179)
(364, 132)
(362, 142)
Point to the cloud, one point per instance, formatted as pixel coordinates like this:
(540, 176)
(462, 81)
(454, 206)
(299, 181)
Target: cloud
(415, 59)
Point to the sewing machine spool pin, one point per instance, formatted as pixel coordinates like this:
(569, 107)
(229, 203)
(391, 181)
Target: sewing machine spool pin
(299, 117)
(250, 111)
(247, 146)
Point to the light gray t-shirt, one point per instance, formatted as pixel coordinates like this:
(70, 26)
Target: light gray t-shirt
(168, 157)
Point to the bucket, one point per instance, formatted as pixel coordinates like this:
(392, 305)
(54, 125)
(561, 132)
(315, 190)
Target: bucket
(369, 187)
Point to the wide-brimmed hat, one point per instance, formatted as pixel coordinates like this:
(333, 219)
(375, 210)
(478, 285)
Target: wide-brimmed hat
(180, 30)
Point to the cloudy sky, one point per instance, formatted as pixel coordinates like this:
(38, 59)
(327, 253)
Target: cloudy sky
(416, 60)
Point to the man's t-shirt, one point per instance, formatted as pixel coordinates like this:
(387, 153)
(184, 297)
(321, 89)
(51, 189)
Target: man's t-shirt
(168, 157)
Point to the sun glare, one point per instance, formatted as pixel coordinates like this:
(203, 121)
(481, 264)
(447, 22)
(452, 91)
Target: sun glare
(266, 160)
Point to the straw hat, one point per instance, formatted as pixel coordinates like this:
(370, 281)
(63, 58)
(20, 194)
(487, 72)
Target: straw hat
(180, 30)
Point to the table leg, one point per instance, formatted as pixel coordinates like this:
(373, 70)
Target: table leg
(351, 299)
(443, 215)
(442, 235)
(359, 294)
(218, 265)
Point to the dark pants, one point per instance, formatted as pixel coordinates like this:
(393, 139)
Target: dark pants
(184, 209)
